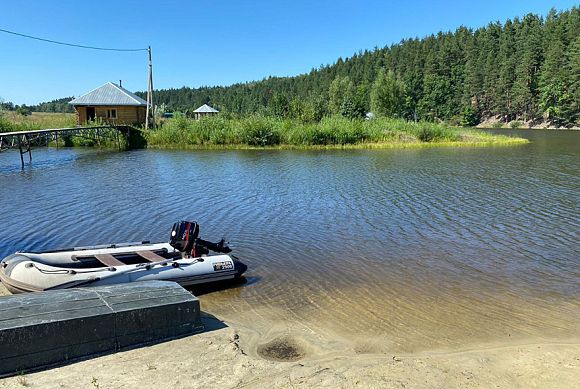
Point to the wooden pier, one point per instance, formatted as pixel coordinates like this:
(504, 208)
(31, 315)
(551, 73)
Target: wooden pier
(25, 140)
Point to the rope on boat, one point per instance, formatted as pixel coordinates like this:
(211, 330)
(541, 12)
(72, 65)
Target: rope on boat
(69, 271)
(147, 266)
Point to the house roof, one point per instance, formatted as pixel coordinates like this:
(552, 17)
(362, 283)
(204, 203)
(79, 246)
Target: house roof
(206, 109)
(109, 94)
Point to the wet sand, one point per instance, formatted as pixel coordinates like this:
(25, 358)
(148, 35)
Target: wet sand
(266, 347)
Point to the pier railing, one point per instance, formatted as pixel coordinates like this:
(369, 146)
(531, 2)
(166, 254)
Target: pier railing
(25, 140)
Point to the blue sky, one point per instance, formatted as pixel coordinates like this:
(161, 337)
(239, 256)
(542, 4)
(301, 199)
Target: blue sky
(203, 42)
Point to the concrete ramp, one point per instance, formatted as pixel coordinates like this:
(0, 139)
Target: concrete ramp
(47, 328)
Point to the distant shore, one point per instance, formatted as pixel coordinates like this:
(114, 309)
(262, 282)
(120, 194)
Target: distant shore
(223, 132)
(495, 123)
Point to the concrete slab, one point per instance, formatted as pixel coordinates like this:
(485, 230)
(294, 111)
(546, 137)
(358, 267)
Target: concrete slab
(42, 329)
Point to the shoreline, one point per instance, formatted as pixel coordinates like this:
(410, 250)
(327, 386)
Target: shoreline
(493, 123)
(239, 354)
(529, 128)
(355, 146)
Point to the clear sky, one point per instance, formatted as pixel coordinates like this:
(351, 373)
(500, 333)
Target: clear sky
(203, 42)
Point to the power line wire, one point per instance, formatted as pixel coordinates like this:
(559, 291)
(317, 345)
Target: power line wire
(68, 44)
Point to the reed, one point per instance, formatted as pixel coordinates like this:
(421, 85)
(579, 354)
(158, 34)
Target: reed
(258, 131)
(262, 131)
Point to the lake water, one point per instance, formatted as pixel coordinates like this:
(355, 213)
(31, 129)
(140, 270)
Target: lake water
(420, 248)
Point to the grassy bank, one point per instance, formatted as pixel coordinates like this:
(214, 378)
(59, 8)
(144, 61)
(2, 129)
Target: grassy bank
(221, 132)
(332, 132)
(12, 121)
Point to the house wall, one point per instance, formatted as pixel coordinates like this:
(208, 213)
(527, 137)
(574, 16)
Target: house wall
(81, 115)
(125, 114)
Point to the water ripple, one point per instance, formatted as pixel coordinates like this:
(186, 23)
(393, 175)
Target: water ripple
(424, 247)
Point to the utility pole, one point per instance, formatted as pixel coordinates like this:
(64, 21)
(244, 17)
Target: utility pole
(150, 111)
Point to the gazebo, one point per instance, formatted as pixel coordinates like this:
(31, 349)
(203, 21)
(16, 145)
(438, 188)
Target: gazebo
(204, 110)
(112, 104)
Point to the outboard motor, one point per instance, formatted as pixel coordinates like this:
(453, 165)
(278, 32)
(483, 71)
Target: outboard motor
(184, 238)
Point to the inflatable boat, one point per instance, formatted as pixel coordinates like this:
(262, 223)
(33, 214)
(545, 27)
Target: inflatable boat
(185, 260)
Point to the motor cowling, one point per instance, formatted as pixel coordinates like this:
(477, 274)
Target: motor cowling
(184, 235)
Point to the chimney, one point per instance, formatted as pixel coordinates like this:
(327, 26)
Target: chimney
(120, 84)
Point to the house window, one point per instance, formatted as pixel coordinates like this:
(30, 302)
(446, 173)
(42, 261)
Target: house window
(112, 113)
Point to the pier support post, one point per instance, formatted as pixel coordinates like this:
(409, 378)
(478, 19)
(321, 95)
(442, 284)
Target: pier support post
(28, 148)
(20, 148)
(118, 139)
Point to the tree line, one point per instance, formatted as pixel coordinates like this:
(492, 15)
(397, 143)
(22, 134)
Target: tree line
(58, 105)
(522, 69)
(525, 69)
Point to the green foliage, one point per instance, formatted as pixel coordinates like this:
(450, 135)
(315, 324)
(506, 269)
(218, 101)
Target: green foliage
(259, 131)
(12, 121)
(516, 124)
(526, 68)
(352, 108)
(24, 110)
(388, 95)
(279, 105)
(469, 117)
(59, 105)
(428, 132)
(5, 124)
(262, 131)
(341, 88)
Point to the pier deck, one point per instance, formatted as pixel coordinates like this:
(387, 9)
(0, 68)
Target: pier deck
(42, 329)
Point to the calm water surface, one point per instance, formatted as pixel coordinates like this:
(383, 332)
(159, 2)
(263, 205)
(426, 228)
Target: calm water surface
(420, 248)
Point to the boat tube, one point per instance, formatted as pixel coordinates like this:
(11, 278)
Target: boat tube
(184, 260)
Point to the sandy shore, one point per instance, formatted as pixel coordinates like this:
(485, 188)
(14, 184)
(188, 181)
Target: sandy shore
(278, 355)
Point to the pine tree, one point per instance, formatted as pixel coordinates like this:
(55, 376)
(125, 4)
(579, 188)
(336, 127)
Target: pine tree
(554, 83)
(506, 75)
(530, 55)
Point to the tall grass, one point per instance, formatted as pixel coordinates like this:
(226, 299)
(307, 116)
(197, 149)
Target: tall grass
(262, 131)
(12, 121)
(266, 131)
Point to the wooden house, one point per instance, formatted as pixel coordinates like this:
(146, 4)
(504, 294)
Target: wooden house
(110, 103)
(204, 110)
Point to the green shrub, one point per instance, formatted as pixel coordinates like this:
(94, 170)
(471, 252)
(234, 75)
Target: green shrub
(429, 132)
(469, 117)
(260, 131)
(516, 124)
(455, 120)
(5, 125)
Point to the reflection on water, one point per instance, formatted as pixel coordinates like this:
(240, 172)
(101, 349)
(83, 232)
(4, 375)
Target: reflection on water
(423, 248)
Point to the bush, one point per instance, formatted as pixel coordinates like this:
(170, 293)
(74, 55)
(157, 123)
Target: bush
(429, 132)
(24, 110)
(516, 124)
(259, 131)
(5, 125)
(469, 117)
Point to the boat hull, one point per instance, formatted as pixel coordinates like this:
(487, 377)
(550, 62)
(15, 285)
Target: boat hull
(20, 273)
